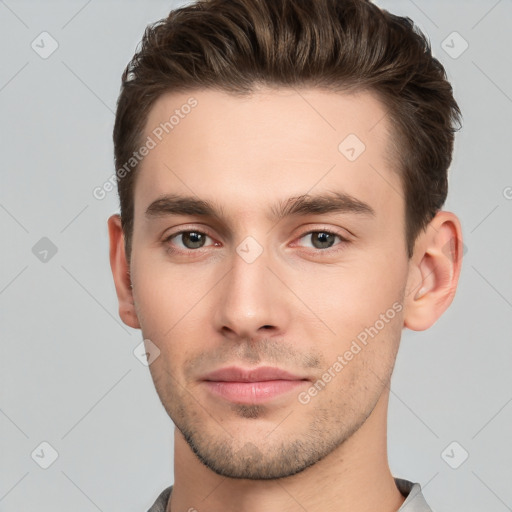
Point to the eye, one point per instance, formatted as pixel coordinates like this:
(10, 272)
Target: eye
(189, 239)
(323, 239)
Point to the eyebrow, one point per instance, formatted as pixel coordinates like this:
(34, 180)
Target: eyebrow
(306, 204)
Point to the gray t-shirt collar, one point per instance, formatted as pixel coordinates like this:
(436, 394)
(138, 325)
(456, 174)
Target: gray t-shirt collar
(414, 502)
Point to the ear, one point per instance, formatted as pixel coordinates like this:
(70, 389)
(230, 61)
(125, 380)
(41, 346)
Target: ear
(434, 271)
(121, 272)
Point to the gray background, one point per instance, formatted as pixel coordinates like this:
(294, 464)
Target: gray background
(67, 369)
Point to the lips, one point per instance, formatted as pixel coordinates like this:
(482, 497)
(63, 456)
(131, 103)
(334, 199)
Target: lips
(250, 386)
(237, 374)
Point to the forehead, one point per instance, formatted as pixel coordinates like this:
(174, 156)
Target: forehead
(272, 144)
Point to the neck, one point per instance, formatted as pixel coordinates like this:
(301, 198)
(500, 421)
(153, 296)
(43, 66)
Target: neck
(355, 477)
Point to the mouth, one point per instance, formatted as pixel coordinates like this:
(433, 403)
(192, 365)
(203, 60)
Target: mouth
(250, 386)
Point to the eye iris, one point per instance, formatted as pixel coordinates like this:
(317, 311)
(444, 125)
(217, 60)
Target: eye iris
(192, 240)
(325, 240)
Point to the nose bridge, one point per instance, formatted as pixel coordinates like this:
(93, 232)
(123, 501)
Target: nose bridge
(250, 298)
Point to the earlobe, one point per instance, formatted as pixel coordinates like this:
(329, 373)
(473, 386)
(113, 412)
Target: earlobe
(434, 272)
(121, 273)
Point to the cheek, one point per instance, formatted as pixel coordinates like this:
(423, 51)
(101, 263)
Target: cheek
(359, 301)
(164, 294)
(352, 290)
(172, 305)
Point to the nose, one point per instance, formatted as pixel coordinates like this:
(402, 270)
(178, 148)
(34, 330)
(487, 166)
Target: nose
(252, 300)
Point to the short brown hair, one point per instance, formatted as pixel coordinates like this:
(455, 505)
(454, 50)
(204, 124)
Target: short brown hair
(337, 45)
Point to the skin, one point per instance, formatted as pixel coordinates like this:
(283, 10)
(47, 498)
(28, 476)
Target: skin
(297, 306)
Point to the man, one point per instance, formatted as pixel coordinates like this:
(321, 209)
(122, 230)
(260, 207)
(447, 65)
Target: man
(281, 169)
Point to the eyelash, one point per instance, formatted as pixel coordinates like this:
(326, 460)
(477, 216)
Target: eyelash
(343, 241)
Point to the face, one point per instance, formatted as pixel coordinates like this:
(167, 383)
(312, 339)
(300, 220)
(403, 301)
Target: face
(269, 267)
